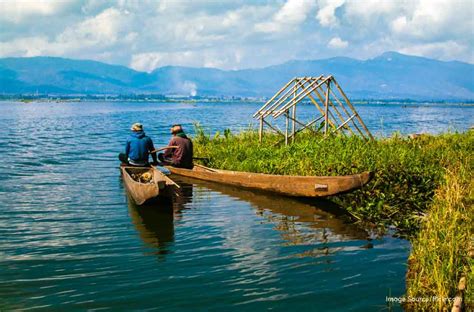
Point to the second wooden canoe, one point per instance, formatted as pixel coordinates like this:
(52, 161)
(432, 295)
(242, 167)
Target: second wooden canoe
(159, 185)
(299, 186)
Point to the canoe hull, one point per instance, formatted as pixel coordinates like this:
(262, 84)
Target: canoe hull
(143, 192)
(298, 186)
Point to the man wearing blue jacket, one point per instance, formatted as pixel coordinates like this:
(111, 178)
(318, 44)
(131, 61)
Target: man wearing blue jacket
(138, 148)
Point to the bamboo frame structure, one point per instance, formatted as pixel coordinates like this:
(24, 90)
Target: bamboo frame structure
(335, 110)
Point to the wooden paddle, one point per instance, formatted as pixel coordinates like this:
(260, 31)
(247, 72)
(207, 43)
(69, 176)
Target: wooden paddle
(162, 148)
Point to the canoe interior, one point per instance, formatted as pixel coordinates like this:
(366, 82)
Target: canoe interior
(143, 192)
(138, 170)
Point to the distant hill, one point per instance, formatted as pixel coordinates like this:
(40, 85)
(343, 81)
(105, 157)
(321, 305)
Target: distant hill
(388, 76)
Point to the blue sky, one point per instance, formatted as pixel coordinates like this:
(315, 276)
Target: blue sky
(235, 34)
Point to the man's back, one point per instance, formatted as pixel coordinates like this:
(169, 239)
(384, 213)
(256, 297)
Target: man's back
(183, 155)
(138, 146)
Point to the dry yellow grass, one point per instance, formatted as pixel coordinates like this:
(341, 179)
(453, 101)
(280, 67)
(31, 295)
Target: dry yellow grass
(441, 250)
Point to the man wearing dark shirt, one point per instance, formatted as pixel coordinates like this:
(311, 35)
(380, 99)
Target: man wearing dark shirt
(182, 154)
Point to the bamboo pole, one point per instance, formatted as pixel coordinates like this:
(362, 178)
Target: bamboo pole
(282, 110)
(352, 107)
(308, 125)
(277, 103)
(293, 124)
(315, 90)
(299, 96)
(342, 119)
(326, 105)
(286, 127)
(295, 101)
(273, 128)
(280, 100)
(260, 130)
(332, 120)
(345, 122)
(347, 113)
(319, 108)
(269, 101)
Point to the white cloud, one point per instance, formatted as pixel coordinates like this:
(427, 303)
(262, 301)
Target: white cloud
(445, 50)
(146, 61)
(338, 43)
(373, 10)
(435, 19)
(202, 58)
(19, 10)
(291, 14)
(102, 29)
(294, 11)
(30, 46)
(326, 13)
(234, 34)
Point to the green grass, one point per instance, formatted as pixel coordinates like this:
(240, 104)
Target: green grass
(407, 171)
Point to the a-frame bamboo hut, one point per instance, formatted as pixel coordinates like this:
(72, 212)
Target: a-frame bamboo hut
(335, 111)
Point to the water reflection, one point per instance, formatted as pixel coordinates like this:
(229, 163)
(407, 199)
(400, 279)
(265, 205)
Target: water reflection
(155, 221)
(313, 222)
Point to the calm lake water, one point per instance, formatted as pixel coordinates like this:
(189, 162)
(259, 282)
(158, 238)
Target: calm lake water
(71, 240)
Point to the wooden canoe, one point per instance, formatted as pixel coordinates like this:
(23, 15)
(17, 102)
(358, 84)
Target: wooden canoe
(299, 186)
(160, 185)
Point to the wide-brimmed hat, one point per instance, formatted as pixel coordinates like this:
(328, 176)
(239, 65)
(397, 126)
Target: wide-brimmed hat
(137, 127)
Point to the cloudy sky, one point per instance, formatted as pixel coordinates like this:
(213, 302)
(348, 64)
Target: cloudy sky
(234, 34)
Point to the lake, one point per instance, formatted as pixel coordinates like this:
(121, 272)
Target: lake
(72, 241)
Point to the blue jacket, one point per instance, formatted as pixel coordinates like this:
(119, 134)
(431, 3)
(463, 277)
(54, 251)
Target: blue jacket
(138, 146)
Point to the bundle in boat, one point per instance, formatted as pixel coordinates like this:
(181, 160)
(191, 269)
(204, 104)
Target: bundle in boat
(143, 177)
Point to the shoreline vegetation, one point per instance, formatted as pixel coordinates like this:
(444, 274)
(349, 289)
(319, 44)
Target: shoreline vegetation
(422, 191)
(158, 98)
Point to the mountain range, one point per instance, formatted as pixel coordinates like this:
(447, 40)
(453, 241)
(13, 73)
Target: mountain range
(389, 76)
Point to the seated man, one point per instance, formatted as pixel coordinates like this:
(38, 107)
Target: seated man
(138, 148)
(180, 153)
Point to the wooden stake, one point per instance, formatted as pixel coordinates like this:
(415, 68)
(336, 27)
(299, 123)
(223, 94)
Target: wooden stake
(293, 126)
(326, 106)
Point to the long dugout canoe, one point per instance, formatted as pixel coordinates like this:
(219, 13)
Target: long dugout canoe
(298, 186)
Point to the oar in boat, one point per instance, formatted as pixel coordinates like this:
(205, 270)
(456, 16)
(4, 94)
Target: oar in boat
(162, 148)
